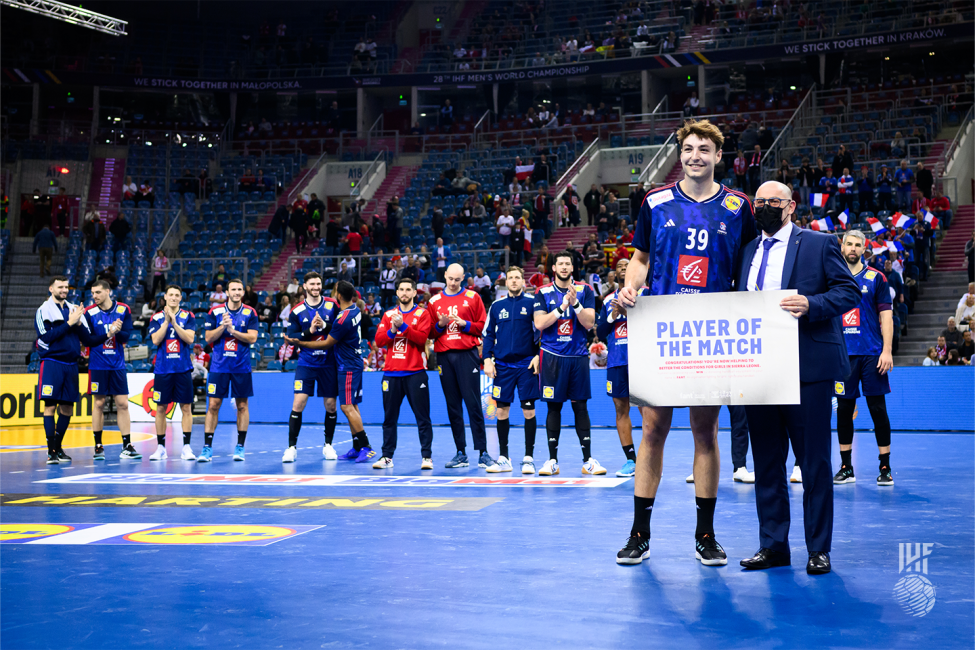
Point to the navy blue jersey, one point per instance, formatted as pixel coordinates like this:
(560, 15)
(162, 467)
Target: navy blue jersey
(110, 355)
(861, 325)
(346, 333)
(614, 334)
(694, 246)
(509, 332)
(230, 354)
(566, 337)
(174, 355)
(299, 322)
(58, 341)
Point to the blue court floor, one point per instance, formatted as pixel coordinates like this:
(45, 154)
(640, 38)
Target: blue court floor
(396, 564)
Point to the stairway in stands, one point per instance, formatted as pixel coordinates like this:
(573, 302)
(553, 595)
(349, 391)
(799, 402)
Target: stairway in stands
(946, 283)
(694, 42)
(24, 291)
(397, 180)
(105, 189)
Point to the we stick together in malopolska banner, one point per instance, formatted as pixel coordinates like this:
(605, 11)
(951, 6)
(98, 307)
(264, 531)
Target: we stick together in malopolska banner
(715, 348)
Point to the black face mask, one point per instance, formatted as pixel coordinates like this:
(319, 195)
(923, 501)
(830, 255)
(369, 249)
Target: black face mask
(769, 219)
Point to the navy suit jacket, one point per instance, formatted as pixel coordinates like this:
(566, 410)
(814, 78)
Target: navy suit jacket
(814, 266)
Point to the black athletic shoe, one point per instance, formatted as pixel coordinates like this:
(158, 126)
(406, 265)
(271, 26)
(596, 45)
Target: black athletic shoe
(636, 550)
(885, 478)
(52, 458)
(63, 457)
(99, 453)
(845, 475)
(709, 552)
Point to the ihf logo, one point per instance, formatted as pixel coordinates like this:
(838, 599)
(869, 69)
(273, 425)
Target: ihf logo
(913, 591)
(488, 404)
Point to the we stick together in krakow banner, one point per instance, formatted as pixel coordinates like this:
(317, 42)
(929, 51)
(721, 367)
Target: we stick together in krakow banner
(705, 349)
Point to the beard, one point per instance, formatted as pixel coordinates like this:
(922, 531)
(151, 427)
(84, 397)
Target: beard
(405, 301)
(565, 277)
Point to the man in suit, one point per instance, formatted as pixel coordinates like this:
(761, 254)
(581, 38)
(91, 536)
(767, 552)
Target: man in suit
(786, 257)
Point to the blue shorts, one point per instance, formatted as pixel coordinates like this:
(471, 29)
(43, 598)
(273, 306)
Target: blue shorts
(618, 382)
(564, 378)
(108, 382)
(326, 378)
(350, 387)
(863, 369)
(173, 387)
(507, 379)
(230, 384)
(58, 382)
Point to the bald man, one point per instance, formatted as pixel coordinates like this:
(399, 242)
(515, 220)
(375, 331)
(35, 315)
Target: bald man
(458, 320)
(786, 257)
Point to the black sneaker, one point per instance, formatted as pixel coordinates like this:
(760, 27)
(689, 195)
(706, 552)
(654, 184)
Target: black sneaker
(885, 478)
(845, 475)
(129, 452)
(709, 552)
(99, 453)
(636, 550)
(63, 457)
(52, 458)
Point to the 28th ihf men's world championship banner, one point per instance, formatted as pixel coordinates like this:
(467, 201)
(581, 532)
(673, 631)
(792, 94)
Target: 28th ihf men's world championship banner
(713, 348)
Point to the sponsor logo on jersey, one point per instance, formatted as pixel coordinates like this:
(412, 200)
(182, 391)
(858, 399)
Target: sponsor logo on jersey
(722, 228)
(230, 345)
(385, 386)
(733, 203)
(109, 344)
(839, 388)
(504, 313)
(212, 389)
(870, 275)
(852, 318)
(565, 327)
(496, 392)
(657, 198)
(621, 331)
(692, 270)
(94, 386)
(172, 346)
(47, 390)
(120, 309)
(670, 224)
(298, 384)
(609, 387)
(548, 392)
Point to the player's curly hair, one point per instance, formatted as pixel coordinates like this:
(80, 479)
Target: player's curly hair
(702, 129)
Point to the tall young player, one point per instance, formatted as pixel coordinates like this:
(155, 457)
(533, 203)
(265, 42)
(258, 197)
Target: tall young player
(564, 311)
(61, 331)
(106, 367)
(231, 329)
(869, 332)
(404, 330)
(173, 332)
(511, 359)
(689, 237)
(310, 320)
(343, 340)
(612, 329)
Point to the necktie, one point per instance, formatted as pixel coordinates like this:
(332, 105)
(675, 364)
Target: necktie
(767, 244)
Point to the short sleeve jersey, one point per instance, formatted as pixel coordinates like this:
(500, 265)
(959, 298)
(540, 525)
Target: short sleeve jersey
(618, 338)
(174, 355)
(110, 355)
(693, 246)
(565, 338)
(229, 353)
(861, 325)
(347, 335)
(299, 322)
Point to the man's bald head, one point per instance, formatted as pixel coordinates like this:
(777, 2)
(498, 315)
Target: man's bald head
(779, 194)
(453, 277)
(770, 189)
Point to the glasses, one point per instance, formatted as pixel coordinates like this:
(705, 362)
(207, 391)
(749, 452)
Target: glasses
(774, 202)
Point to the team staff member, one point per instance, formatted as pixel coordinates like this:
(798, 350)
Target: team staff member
(458, 322)
(868, 330)
(688, 239)
(310, 320)
(173, 331)
(404, 331)
(343, 341)
(563, 312)
(612, 329)
(61, 330)
(231, 330)
(106, 366)
(510, 356)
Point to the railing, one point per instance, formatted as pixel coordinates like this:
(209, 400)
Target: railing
(658, 160)
(311, 174)
(377, 126)
(949, 184)
(770, 158)
(481, 125)
(169, 244)
(367, 175)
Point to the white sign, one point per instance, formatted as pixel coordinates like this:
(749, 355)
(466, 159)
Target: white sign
(706, 349)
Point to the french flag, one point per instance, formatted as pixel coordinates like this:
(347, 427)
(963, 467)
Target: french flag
(931, 219)
(895, 246)
(876, 226)
(844, 218)
(878, 246)
(524, 171)
(901, 221)
(818, 200)
(822, 225)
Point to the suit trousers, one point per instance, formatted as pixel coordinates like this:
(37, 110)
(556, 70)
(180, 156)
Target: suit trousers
(739, 435)
(807, 425)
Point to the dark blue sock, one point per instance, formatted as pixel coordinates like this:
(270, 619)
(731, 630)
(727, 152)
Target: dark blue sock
(49, 431)
(62, 428)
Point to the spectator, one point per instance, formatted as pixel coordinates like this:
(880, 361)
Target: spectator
(285, 314)
(608, 286)
(505, 225)
(517, 245)
(844, 186)
(885, 185)
(437, 221)
(741, 170)
(828, 186)
(592, 200)
(279, 222)
(904, 178)
(443, 256)
(571, 200)
(942, 350)
(784, 175)
(344, 273)
(754, 169)
(842, 160)
(951, 334)
(45, 245)
(160, 266)
(941, 208)
(220, 277)
(250, 296)
(954, 359)
(898, 146)
(129, 189)
(806, 178)
(267, 312)
(765, 138)
(542, 172)
(966, 313)
(218, 296)
(394, 221)
(692, 105)
(589, 111)
(612, 208)
(749, 138)
(603, 221)
(147, 193)
(94, 232)
(967, 347)
(59, 211)
(446, 116)
(636, 201)
(577, 260)
(145, 315)
(354, 242)
(925, 181)
(671, 43)
(932, 358)
(865, 189)
(120, 230)
(483, 283)
(970, 254)
(299, 226)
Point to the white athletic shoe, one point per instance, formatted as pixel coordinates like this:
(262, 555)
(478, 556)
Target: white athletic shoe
(592, 466)
(527, 465)
(742, 475)
(550, 468)
(187, 453)
(796, 475)
(689, 479)
(427, 463)
(290, 455)
(159, 454)
(503, 465)
(328, 451)
(387, 463)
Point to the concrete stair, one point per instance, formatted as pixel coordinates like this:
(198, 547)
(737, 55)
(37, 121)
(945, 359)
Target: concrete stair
(694, 42)
(578, 235)
(951, 250)
(937, 301)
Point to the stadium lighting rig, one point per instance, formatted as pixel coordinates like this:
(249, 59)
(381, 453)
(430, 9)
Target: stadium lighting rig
(73, 15)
